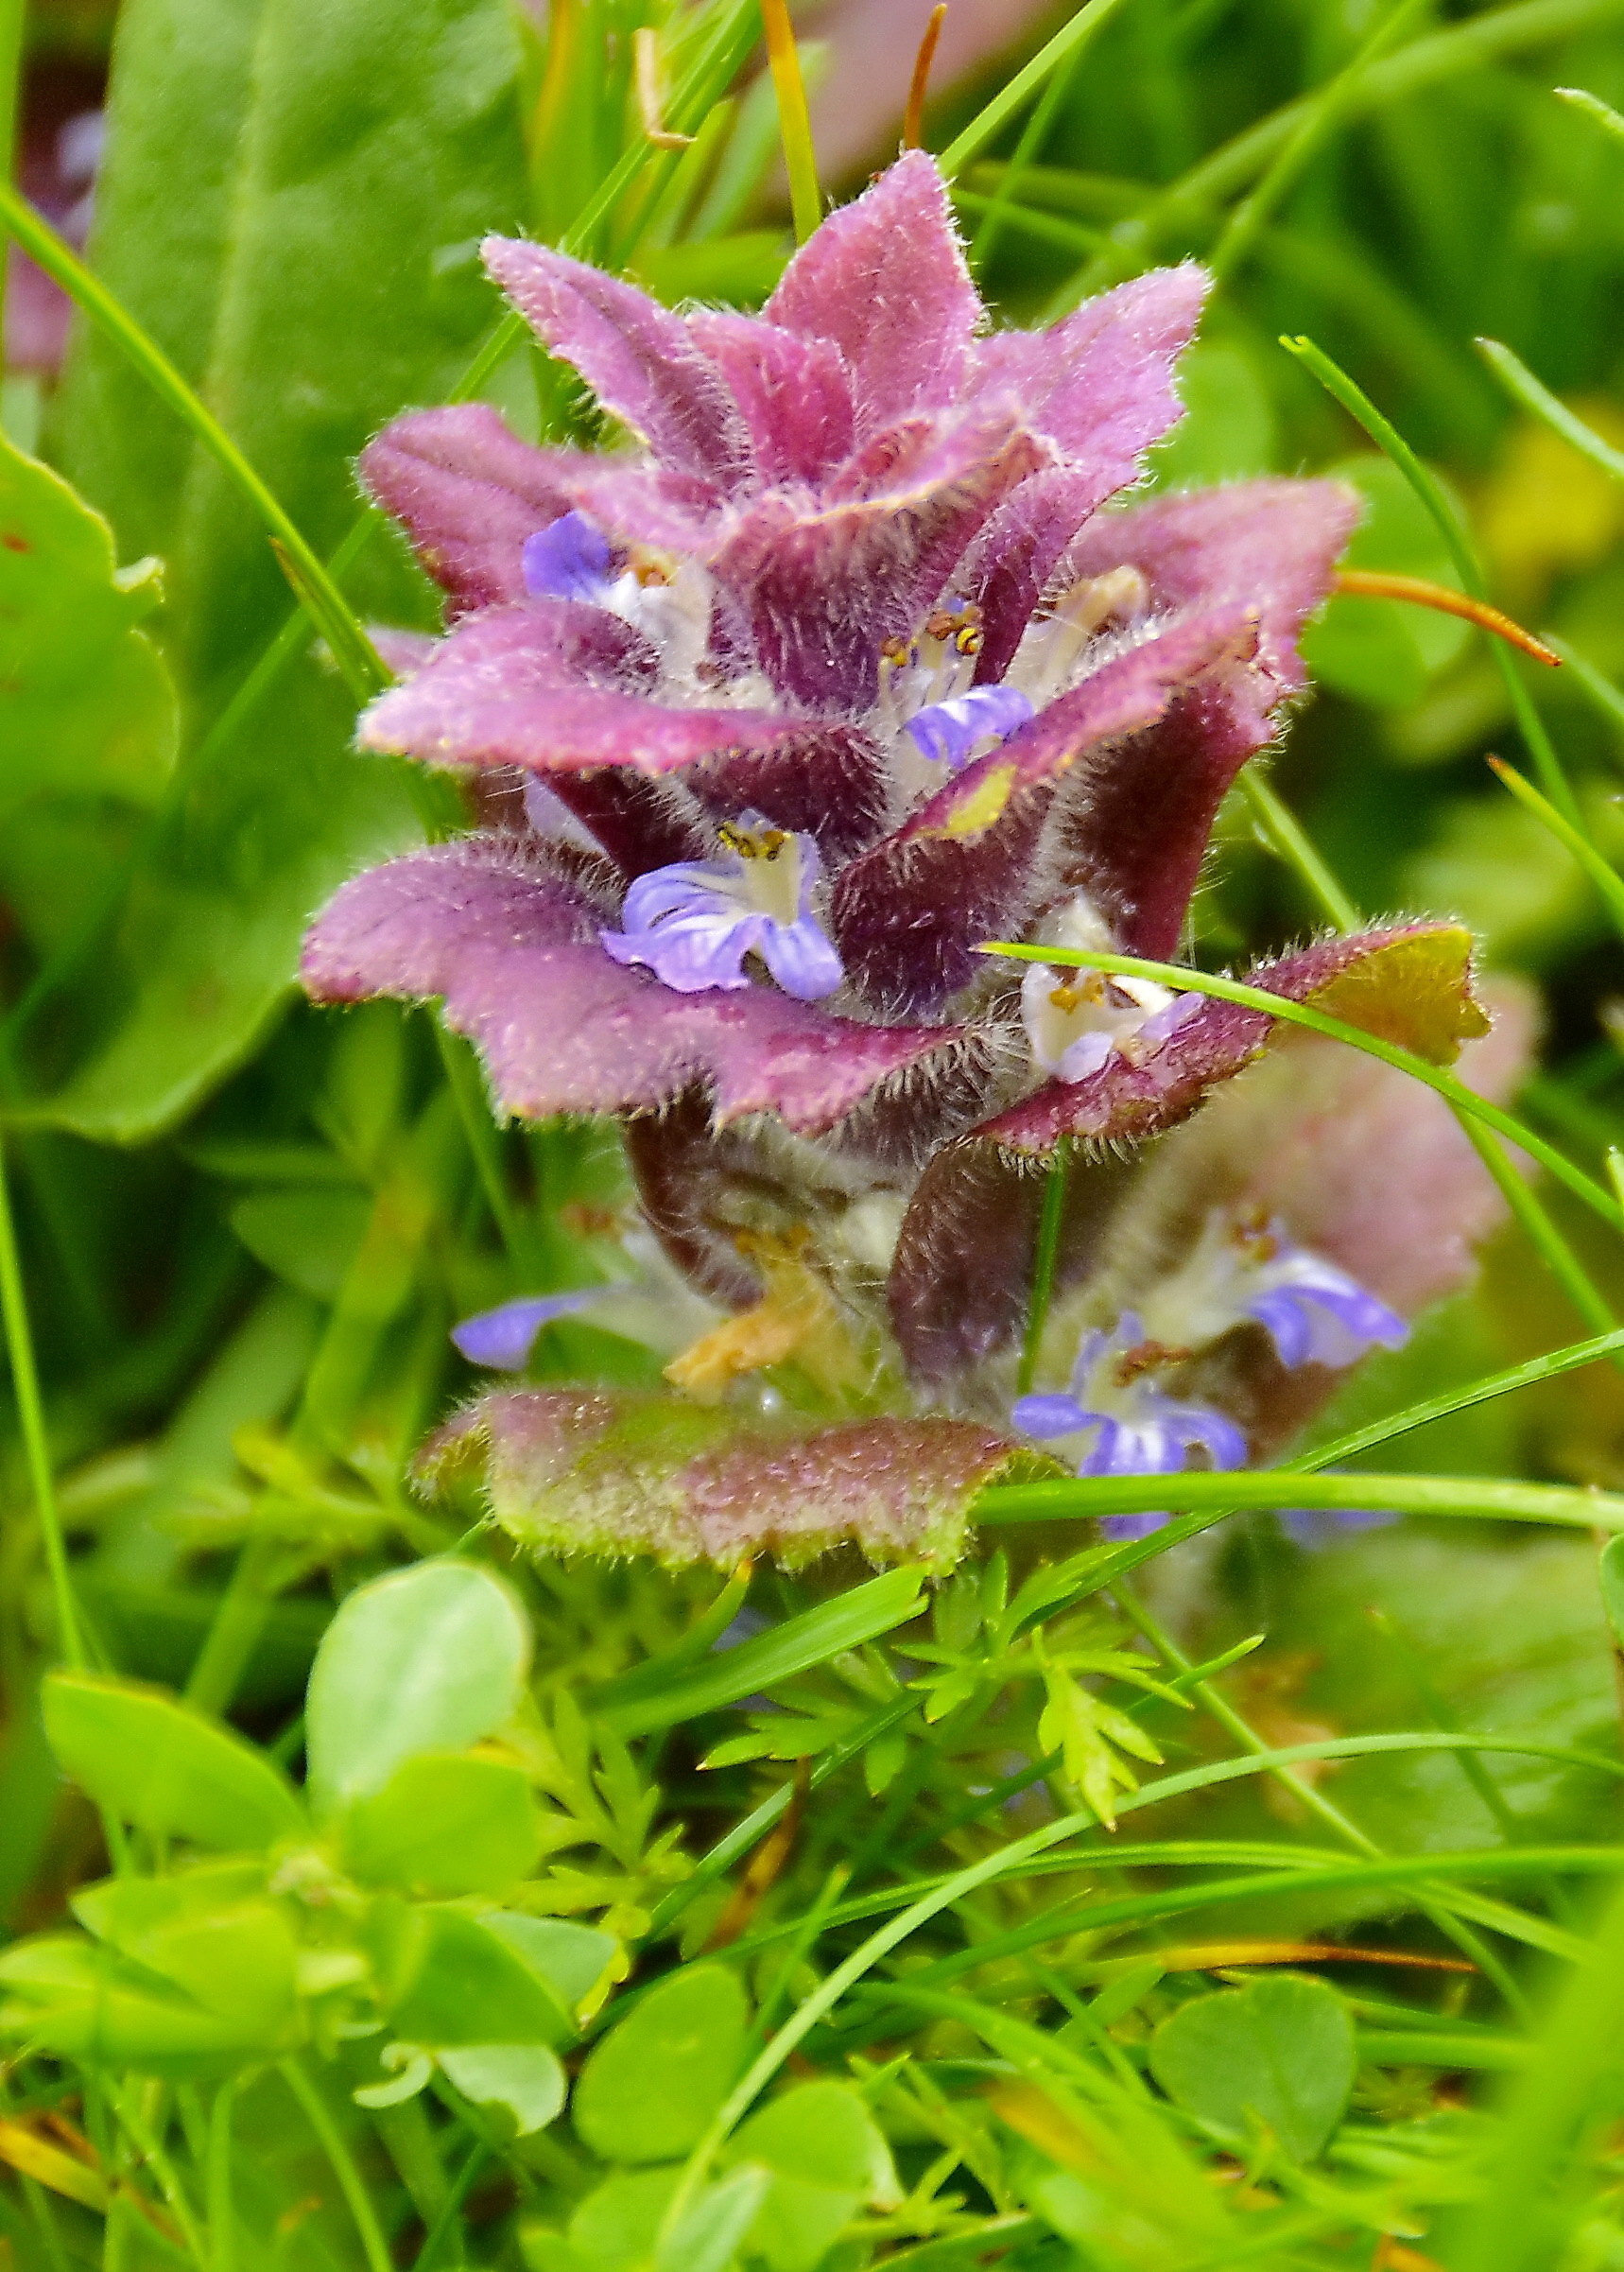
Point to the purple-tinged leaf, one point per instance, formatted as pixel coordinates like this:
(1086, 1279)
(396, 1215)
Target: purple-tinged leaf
(963, 1269)
(514, 954)
(961, 1280)
(1356, 1163)
(620, 1475)
(1270, 544)
(829, 783)
(1135, 832)
(908, 915)
(1099, 383)
(469, 492)
(505, 688)
(885, 280)
(640, 821)
(1015, 557)
(1410, 984)
(822, 590)
(637, 358)
(795, 394)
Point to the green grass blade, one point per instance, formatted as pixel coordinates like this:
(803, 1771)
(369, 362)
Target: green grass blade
(1522, 386)
(1301, 1013)
(1066, 44)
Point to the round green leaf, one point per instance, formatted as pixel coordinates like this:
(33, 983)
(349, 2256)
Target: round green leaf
(652, 2086)
(525, 2078)
(445, 1823)
(153, 1762)
(429, 1658)
(1278, 2054)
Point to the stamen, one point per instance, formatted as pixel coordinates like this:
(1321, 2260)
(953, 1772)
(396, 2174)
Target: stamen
(1370, 583)
(1148, 1358)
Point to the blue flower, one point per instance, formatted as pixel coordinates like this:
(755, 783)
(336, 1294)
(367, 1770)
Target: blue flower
(1074, 1019)
(1130, 1426)
(570, 559)
(692, 924)
(1312, 1312)
(504, 1337)
(947, 731)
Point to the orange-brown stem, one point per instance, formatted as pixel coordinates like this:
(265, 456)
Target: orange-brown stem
(1374, 583)
(913, 116)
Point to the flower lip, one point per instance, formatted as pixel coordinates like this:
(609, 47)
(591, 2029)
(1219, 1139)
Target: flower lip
(693, 923)
(948, 732)
(1248, 1269)
(569, 559)
(1135, 1428)
(503, 1337)
(1075, 1019)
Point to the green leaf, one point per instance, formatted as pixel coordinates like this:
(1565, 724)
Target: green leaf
(860, 1614)
(571, 1959)
(827, 2160)
(617, 2227)
(449, 1979)
(234, 1955)
(86, 706)
(308, 1238)
(650, 2086)
(151, 1761)
(291, 192)
(526, 2079)
(1229, 431)
(444, 1824)
(708, 2234)
(1279, 2054)
(661, 1475)
(1612, 1574)
(429, 1658)
(80, 2001)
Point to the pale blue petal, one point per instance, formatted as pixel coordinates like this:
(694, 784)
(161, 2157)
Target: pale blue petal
(504, 1337)
(567, 560)
(802, 959)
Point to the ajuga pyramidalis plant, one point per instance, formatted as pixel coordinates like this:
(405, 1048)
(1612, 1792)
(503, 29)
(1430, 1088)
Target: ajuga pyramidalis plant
(852, 660)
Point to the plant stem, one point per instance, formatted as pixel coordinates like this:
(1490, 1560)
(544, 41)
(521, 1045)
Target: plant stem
(1044, 1261)
(1090, 19)
(374, 2245)
(12, 15)
(31, 1417)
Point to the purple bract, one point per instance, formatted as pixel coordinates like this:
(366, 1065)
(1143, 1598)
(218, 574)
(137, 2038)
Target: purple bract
(854, 661)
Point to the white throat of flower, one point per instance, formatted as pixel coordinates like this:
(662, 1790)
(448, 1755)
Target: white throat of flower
(767, 879)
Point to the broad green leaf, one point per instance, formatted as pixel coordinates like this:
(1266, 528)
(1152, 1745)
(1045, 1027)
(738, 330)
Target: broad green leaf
(204, 1932)
(1278, 2054)
(308, 1238)
(1611, 1572)
(80, 2001)
(571, 1959)
(86, 706)
(151, 1761)
(709, 2232)
(523, 2079)
(652, 2084)
(827, 2160)
(449, 1979)
(429, 1658)
(292, 194)
(445, 1823)
(1385, 651)
(615, 2228)
(1229, 429)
